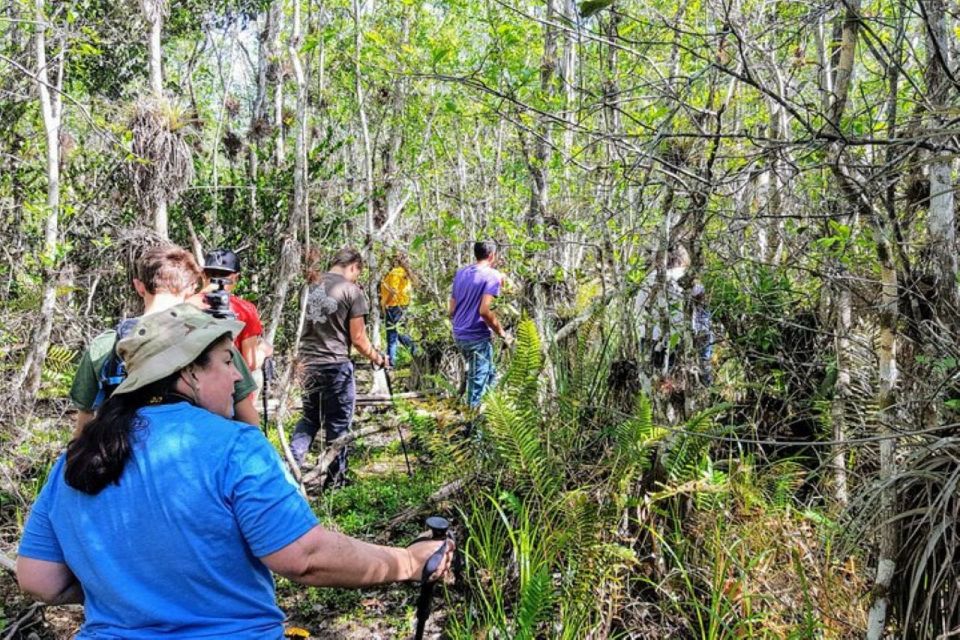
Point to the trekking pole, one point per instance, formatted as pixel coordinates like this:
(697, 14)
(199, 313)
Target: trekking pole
(267, 377)
(440, 530)
(403, 443)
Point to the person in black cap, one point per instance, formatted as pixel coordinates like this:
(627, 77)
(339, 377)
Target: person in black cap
(223, 264)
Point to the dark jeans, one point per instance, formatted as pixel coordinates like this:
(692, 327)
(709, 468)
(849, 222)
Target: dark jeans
(329, 395)
(481, 374)
(393, 321)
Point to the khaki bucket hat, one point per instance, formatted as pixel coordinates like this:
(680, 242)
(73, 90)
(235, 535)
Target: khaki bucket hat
(163, 343)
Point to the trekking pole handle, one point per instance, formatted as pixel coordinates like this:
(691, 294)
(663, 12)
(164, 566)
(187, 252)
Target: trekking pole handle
(268, 370)
(439, 528)
(386, 366)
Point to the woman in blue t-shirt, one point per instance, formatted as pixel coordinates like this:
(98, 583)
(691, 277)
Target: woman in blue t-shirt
(166, 518)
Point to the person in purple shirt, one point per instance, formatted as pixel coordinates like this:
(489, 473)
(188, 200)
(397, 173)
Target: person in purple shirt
(474, 288)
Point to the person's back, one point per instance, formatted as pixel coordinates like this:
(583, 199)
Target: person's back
(164, 516)
(176, 512)
(100, 370)
(469, 286)
(336, 308)
(326, 332)
(474, 322)
(395, 288)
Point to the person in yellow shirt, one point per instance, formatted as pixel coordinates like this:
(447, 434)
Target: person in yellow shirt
(395, 290)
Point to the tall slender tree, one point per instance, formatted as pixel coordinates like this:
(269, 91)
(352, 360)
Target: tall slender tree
(50, 90)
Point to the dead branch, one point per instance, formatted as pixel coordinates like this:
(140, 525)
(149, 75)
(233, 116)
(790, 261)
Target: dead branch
(316, 474)
(7, 563)
(407, 515)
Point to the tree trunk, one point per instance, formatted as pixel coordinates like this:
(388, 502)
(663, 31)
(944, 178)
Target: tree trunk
(276, 18)
(841, 393)
(886, 397)
(845, 55)
(941, 215)
(887, 549)
(154, 12)
(51, 109)
(290, 251)
(156, 73)
(379, 377)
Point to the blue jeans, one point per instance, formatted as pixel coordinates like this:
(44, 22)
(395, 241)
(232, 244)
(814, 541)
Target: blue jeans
(394, 318)
(329, 395)
(481, 374)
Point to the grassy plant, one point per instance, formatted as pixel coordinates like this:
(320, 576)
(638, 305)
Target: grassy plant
(360, 508)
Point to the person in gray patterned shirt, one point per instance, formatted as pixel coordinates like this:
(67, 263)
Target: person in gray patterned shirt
(335, 322)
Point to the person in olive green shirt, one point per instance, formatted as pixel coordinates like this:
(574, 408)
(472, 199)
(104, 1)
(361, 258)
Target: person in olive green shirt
(166, 276)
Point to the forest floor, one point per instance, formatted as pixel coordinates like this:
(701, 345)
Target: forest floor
(379, 490)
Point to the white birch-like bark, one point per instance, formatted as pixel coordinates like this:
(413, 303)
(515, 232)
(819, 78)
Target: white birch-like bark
(889, 375)
(154, 11)
(379, 376)
(276, 17)
(51, 107)
(941, 218)
(841, 395)
(299, 212)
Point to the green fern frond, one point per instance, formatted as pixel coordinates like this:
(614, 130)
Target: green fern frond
(536, 603)
(633, 436)
(60, 359)
(686, 454)
(443, 442)
(781, 481)
(515, 435)
(523, 373)
(579, 517)
(634, 441)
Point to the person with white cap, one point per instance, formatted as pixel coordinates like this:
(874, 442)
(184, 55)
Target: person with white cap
(165, 518)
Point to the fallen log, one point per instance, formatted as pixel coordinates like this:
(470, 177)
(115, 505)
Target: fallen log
(385, 398)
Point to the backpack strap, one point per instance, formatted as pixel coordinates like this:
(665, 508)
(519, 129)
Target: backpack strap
(112, 371)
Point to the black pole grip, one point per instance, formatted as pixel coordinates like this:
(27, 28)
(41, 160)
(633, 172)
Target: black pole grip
(438, 528)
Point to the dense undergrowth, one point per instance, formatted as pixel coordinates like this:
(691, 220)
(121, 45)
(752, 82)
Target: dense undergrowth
(580, 520)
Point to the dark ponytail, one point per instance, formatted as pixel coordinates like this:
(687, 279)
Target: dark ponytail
(99, 454)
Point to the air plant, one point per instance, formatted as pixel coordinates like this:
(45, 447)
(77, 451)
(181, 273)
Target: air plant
(161, 165)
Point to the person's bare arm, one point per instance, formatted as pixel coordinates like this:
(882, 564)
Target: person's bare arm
(451, 307)
(324, 558)
(49, 582)
(248, 351)
(358, 336)
(489, 316)
(246, 411)
(83, 417)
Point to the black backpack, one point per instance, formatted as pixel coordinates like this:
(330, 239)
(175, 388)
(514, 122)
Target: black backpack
(113, 371)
